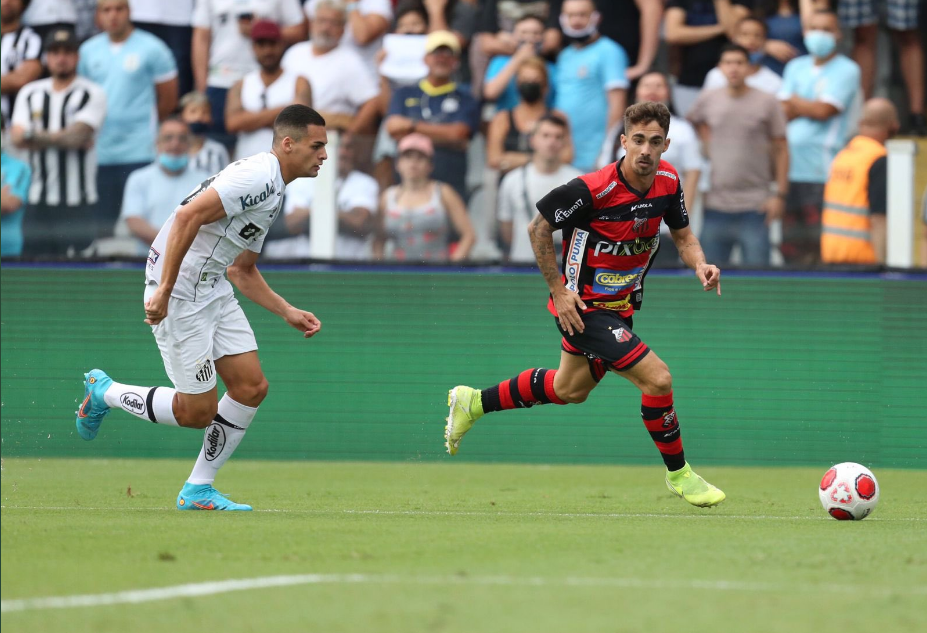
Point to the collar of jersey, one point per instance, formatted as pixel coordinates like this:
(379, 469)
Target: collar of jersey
(436, 91)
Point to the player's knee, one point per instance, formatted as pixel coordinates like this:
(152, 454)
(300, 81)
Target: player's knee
(573, 396)
(660, 381)
(250, 394)
(195, 416)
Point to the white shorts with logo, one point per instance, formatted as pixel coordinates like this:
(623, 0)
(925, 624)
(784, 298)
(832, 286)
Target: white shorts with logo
(196, 334)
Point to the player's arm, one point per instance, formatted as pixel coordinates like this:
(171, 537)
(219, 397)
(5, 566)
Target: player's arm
(206, 208)
(248, 279)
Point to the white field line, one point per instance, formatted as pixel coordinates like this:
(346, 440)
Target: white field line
(703, 514)
(194, 590)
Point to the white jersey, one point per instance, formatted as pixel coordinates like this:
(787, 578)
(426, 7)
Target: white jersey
(251, 191)
(255, 96)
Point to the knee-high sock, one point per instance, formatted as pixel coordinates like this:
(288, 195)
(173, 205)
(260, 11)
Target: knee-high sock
(530, 387)
(221, 439)
(151, 404)
(660, 419)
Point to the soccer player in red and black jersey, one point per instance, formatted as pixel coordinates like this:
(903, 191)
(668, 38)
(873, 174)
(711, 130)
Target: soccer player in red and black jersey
(611, 229)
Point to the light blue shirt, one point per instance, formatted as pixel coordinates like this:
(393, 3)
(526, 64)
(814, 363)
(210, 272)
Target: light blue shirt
(814, 144)
(509, 97)
(17, 175)
(584, 76)
(128, 72)
(153, 194)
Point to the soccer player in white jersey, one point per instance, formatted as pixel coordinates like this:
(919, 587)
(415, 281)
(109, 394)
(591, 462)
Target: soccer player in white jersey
(198, 324)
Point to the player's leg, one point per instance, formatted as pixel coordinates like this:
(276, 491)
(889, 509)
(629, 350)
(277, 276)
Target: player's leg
(653, 378)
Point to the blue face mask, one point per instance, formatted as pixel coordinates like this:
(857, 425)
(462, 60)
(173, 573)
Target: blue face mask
(820, 43)
(757, 58)
(173, 163)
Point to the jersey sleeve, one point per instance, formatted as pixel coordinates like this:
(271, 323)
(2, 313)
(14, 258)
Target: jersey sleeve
(291, 13)
(615, 68)
(506, 206)
(397, 102)
(841, 94)
(236, 184)
(20, 182)
(163, 64)
(364, 193)
(788, 81)
(299, 194)
(567, 205)
(878, 186)
(133, 199)
(33, 48)
(21, 117)
(94, 111)
(677, 217)
(202, 14)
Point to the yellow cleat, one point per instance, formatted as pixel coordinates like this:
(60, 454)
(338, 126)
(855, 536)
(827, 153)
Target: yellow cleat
(687, 484)
(466, 407)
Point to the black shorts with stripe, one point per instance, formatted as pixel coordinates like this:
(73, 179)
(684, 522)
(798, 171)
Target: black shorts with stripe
(607, 342)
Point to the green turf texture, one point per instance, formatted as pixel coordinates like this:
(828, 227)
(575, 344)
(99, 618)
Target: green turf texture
(771, 560)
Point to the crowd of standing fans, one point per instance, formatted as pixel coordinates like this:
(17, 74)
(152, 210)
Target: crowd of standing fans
(456, 116)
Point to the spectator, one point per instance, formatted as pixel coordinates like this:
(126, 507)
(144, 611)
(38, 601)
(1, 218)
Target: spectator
(684, 153)
(591, 81)
(856, 195)
(356, 200)
(221, 47)
(154, 191)
(205, 153)
(700, 28)
(863, 17)
(367, 23)
(171, 22)
(508, 140)
(57, 119)
(500, 84)
(820, 94)
(20, 60)
(86, 26)
(751, 34)
(138, 74)
(15, 177)
(440, 109)
(495, 32)
(632, 24)
(924, 229)
(522, 187)
(344, 91)
(416, 216)
(255, 101)
(45, 16)
(784, 19)
(743, 130)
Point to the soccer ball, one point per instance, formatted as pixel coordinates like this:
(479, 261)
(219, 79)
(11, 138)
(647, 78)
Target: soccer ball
(849, 492)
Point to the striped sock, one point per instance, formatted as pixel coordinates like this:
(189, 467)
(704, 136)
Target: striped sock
(660, 419)
(530, 387)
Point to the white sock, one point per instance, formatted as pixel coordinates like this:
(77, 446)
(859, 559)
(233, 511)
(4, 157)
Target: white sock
(221, 439)
(152, 404)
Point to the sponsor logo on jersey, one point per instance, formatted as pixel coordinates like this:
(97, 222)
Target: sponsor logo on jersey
(605, 191)
(622, 335)
(250, 231)
(204, 370)
(252, 199)
(153, 256)
(668, 174)
(621, 305)
(133, 403)
(641, 205)
(637, 246)
(640, 225)
(214, 442)
(574, 259)
(614, 281)
(561, 215)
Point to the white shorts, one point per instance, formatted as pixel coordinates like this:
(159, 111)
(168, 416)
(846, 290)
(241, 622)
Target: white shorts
(194, 335)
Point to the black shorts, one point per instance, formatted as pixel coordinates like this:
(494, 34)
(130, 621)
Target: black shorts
(607, 342)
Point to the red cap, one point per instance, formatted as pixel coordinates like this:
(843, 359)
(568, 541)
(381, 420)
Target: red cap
(265, 30)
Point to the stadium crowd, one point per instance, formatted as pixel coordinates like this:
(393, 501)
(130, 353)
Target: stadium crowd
(455, 116)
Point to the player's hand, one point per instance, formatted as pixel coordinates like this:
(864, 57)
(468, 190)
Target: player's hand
(305, 322)
(774, 208)
(710, 276)
(156, 306)
(569, 309)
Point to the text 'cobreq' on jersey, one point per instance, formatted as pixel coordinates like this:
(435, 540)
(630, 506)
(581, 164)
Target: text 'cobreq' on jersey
(611, 232)
(251, 190)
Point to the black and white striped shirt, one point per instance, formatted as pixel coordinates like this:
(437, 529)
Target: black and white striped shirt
(212, 157)
(17, 47)
(61, 176)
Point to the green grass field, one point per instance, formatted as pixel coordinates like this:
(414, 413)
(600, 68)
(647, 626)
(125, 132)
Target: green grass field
(454, 547)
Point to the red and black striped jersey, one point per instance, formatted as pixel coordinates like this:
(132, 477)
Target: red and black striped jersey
(611, 232)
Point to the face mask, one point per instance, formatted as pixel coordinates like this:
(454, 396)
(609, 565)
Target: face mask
(173, 163)
(530, 91)
(198, 128)
(820, 43)
(580, 35)
(756, 58)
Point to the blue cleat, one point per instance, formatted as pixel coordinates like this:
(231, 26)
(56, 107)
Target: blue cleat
(94, 408)
(205, 497)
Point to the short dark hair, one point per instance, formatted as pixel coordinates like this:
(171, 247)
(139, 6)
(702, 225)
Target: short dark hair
(531, 16)
(410, 6)
(553, 119)
(762, 23)
(645, 112)
(293, 121)
(730, 47)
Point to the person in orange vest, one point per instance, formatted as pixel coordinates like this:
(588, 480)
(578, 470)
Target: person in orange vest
(855, 197)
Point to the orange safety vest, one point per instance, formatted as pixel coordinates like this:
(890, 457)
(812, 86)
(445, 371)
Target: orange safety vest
(845, 225)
